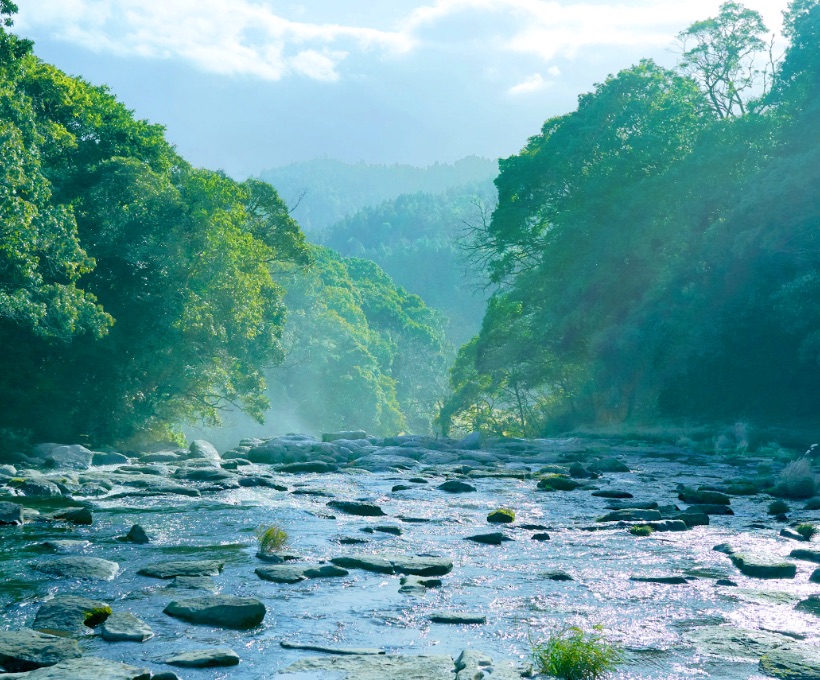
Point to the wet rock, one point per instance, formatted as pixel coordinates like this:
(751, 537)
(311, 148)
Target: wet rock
(733, 643)
(316, 466)
(557, 483)
(70, 615)
(88, 668)
(664, 580)
(193, 583)
(174, 568)
(630, 515)
(204, 475)
(416, 585)
(501, 516)
(793, 661)
(458, 618)
(693, 519)
(205, 658)
(64, 545)
(293, 573)
(788, 532)
(259, 481)
(763, 566)
(394, 564)
(136, 534)
(401, 487)
(165, 676)
(557, 575)
(471, 442)
(350, 435)
(540, 537)
(357, 508)
(668, 525)
(811, 605)
(340, 651)
(11, 513)
(161, 457)
(200, 448)
(695, 497)
(726, 582)
(80, 516)
(26, 649)
(384, 529)
(85, 568)
(605, 493)
(815, 576)
(456, 486)
(810, 554)
(110, 458)
(125, 627)
(533, 527)
(376, 667)
(637, 505)
(609, 465)
(710, 509)
(38, 488)
(494, 538)
(724, 548)
(223, 611)
(58, 456)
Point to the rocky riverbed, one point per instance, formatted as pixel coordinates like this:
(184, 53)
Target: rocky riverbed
(399, 565)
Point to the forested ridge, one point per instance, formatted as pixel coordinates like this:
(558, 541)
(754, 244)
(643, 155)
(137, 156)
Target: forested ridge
(655, 252)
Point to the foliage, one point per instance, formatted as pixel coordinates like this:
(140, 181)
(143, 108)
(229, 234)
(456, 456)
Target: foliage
(796, 480)
(572, 654)
(778, 508)
(806, 530)
(641, 530)
(271, 539)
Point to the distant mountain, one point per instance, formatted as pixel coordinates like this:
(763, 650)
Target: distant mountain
(322, 192)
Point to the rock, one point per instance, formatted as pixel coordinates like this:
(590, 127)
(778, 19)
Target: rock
(193, 583)
(693, 519)
(694, 497)
(375, 667)
(471, 442)
(257, 481)
(161, 457)
(88, 668)
(605, 493)
(340, 651)
(724, 548)
(609, 465)
(357, 508)
(557, 575)
(501, 516)
(11, 513)
(394, 564)
(811, 605)
(815, 576)
(183, 568)
(415, 585)
(557, 482)
(456, 617)
(787, 532)
(471, 664)
(374, 563)
(136, 534)
(810, 554)
(631, 504)
(64, 545)
(223, 611)
(726, 582)
(70, 615)
(316, 466)
(86, 568)
(165, 676)
(205, 658)
(763, 566)
(293, 573)
(540, 537)
(401, 487)
(26, 649)
(710, 509)
(668, 525)
(200, 448)
(351, 435)
(73, 457)
(495, 538)
(38, 488)
(733, 643)
(125, 627)
(111, 458)
(387, 529)
(792, 662)
(630, 515)
(456, 486)
(80, 516)
(664, 580)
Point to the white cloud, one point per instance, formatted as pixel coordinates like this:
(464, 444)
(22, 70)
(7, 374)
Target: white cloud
(531, 84)
(249, 37)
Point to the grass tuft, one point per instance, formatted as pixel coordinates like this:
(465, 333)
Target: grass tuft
(641, 530)
(778, 507)
(572, 654)
(806, 530)
(271, 539)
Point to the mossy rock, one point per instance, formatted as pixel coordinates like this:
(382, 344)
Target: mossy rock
(557, 483)
(501, 516)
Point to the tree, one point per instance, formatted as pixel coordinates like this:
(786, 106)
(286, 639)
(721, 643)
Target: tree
(721, 54)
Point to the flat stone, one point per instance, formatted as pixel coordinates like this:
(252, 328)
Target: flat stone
(457, 617)
(733, 643)
(724, 548)
(205, 658)
(374, 563)
(630, 515)
(606, 493)
(340, 651)
(376, 667)
(421, 566)
(223, 611)
(258, 481)
(11, 513)
(694, 497)
(110, 458)
(85, 568)
(357, 508)
(664, 580)
(557, 575)
(456, 486)
(65, 545)
(193, 583)
(86, 668)
(494, 538)
(794, 661)
(763, 566)
(174, 568)
(416, 585)
(811, 605)
(787, 532)
(668, 525)
(710, 509)
(26, 649)
(125, 627)
(308, 467)
(70, 615)
(540, 537)
(81, 516)
(810, 554)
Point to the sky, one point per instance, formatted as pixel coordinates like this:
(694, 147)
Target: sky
(245, 85)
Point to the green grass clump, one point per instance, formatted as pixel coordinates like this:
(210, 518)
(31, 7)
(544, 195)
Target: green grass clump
(806, 530)
(271, 538)
(778, 507)
(641, 530)
(572, 654)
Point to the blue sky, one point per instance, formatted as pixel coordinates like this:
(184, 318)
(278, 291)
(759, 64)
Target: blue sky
(244, 85)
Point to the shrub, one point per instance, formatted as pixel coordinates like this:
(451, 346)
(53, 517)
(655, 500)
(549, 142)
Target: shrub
(778, 508)
(271, 538)
(796, 480)
(813, 504)
(572, 654)
(806, 530)
(641, 530)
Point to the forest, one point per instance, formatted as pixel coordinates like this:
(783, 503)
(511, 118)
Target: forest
(649, 257)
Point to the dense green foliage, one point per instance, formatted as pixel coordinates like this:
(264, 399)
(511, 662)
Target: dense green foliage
(572, 654)
(135, 290)
(324, 191)
(656, 256)
(417, 239)
(361, 351)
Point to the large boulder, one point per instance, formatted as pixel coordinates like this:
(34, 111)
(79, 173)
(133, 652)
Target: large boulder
(348, 435)
(125, 627)
(176, 568)
(795, 661)
(85, 568)
(11, 513)
(26, 649)
(222, 611)
(202, 449)
(62, 457)
(205, 658)
(87, 668)
(357, 508)
(70, 615)
(763, 566)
